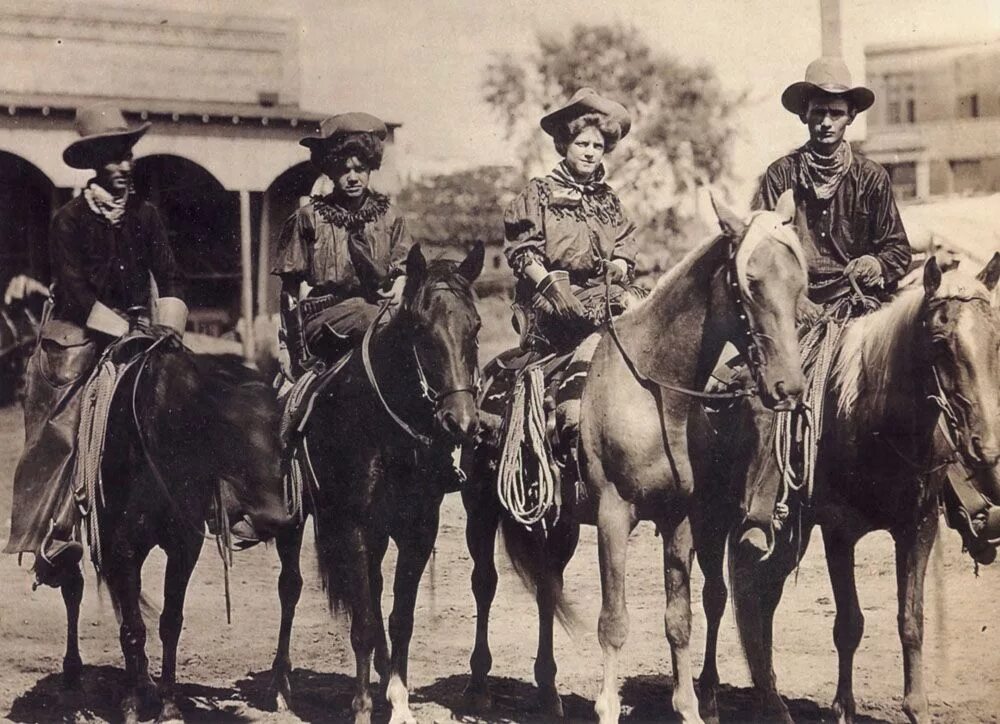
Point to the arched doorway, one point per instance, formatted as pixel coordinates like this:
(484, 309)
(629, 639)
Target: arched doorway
(27, 200)
(281, 199)
(203, 223)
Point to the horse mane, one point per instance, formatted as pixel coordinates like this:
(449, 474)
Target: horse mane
(876, 350)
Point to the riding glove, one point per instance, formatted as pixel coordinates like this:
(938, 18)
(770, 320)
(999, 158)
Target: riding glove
(555, 289)
(866, 270)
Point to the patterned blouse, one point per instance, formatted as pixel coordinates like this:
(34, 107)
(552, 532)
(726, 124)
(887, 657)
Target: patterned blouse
(341, 252)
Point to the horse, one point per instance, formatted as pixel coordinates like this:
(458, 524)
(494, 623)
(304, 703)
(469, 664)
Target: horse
(744, 285)
(881, 464)
(184, 433)
(379, 443)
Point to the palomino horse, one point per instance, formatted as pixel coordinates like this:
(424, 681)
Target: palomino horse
(930, 353)
(179, 424)
(643, 381)
(379, 441)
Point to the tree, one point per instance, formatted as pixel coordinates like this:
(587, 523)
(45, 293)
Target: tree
(683, 121)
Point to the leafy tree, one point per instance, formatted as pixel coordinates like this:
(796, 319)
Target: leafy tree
(682, 130)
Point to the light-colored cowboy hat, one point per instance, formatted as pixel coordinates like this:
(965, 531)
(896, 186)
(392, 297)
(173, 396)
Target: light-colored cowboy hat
(345, 124)
(586, 100)
(99, 125)
(827, 75)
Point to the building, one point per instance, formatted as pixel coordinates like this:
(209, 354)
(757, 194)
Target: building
(222, 160)
(937, 119)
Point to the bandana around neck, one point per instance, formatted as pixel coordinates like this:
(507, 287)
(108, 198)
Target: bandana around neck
(568, 191)
(823, 174)
(104, 204)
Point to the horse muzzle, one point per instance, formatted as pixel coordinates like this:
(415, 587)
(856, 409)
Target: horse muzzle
(459, 418)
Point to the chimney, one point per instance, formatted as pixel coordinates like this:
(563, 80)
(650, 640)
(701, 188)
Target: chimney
(829, 17)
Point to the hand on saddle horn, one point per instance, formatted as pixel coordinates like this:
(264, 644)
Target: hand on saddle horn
(395, 292)
(866, 271)
(808, 312)
(555, 289)
(616, 271)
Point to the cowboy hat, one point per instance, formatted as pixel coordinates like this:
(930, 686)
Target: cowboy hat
(586, 100)
(826, 76)
(100, 125)
(344, 124)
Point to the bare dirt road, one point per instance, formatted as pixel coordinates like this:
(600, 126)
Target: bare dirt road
(223, 668)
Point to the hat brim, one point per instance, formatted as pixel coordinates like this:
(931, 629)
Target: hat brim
(796, 97)
(554, 122)
(82, 152)
(312, 142)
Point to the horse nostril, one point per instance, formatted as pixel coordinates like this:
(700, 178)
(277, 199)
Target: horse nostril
(779, 388)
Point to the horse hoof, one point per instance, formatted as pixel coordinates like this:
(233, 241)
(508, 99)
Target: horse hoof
(170, 714)
(477, 700)
(402, 717)
(72, 671)
(550, 703)
(281, 690)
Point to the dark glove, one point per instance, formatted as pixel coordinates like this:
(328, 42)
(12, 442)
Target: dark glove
(555, 290)
(866, 270)
(294, 337)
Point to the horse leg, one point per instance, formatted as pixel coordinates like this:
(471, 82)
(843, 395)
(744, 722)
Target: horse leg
(415, 545)
(678, 554)
(482, 519)
(289, 543)
(560, 544)
(363, 626)
(376, 553)
(849, 624)
(912, 552)
(72, 594)
(614, 522)
(180, 565)
(124, 575)
(710, 545)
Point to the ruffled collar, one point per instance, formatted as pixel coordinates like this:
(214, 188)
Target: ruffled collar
(374, 207)
(566, 190)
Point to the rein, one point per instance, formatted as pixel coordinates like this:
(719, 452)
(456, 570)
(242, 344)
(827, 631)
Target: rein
(753, 351)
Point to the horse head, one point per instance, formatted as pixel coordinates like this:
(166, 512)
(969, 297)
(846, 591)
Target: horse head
(768, 277)
(962, 339)
(439, 314)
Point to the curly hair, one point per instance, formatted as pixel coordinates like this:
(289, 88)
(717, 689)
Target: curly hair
(609, 128)
(366, 147)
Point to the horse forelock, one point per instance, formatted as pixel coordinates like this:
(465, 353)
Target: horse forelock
(758, 233)
(442, 276)
(877, 348)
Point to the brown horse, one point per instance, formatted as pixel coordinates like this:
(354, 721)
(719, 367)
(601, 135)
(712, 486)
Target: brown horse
(379, 441)
(742, 286)
(881, 465)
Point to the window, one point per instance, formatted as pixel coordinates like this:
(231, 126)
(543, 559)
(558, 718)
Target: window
(901, 98)
(967, 176)
(893, 111)
(911, 111)
(904, 179)
(968, 106)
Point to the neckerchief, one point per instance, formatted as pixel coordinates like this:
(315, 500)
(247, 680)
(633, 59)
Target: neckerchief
(823, 174)
(104, 204)
(567, 191)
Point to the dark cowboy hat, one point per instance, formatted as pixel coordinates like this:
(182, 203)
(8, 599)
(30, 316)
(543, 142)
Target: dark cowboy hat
(346, 124)
(100, 125)
(826, 76)
(586, 100)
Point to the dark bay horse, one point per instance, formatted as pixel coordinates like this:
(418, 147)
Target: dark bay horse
(380, 441)
(881, 465)
(742, 286)
(179, 424)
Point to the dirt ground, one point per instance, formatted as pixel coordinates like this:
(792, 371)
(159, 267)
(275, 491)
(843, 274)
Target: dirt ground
(223, 668)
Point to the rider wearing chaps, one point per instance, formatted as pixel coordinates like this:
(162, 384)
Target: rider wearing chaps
(106, 246)
(845, 213)
(340, 255)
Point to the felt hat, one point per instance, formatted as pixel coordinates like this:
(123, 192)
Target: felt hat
(100, 126)
(346, 124)
(586, 100)
(826, 76)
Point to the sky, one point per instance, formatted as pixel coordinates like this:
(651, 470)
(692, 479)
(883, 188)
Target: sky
(421, 63)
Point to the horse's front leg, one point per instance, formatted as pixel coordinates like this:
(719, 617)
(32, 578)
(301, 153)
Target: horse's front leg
(710, 545)
(913, 548)
(289, 544)
(614, 522)
(482, 519)
(180, 564)
(849, 624)
(124, 575)
(678, 554)
(415, 542)
(72, 594)
(363, 626)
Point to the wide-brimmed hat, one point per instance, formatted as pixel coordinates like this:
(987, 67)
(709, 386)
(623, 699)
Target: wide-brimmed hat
(586, 100)
(346, 124)
(100, 125)
(827, 76)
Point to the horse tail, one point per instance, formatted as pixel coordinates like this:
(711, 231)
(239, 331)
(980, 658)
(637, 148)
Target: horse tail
(538, 558)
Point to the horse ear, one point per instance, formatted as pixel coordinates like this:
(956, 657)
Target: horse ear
(472, 266)
(729, 222)
(785, 208)
(990, 274)
(932, 277)
(416, 270)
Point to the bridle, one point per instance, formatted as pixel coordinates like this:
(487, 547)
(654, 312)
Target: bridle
(429, 393)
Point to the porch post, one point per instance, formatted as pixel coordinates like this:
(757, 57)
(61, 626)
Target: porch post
(246, 276)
